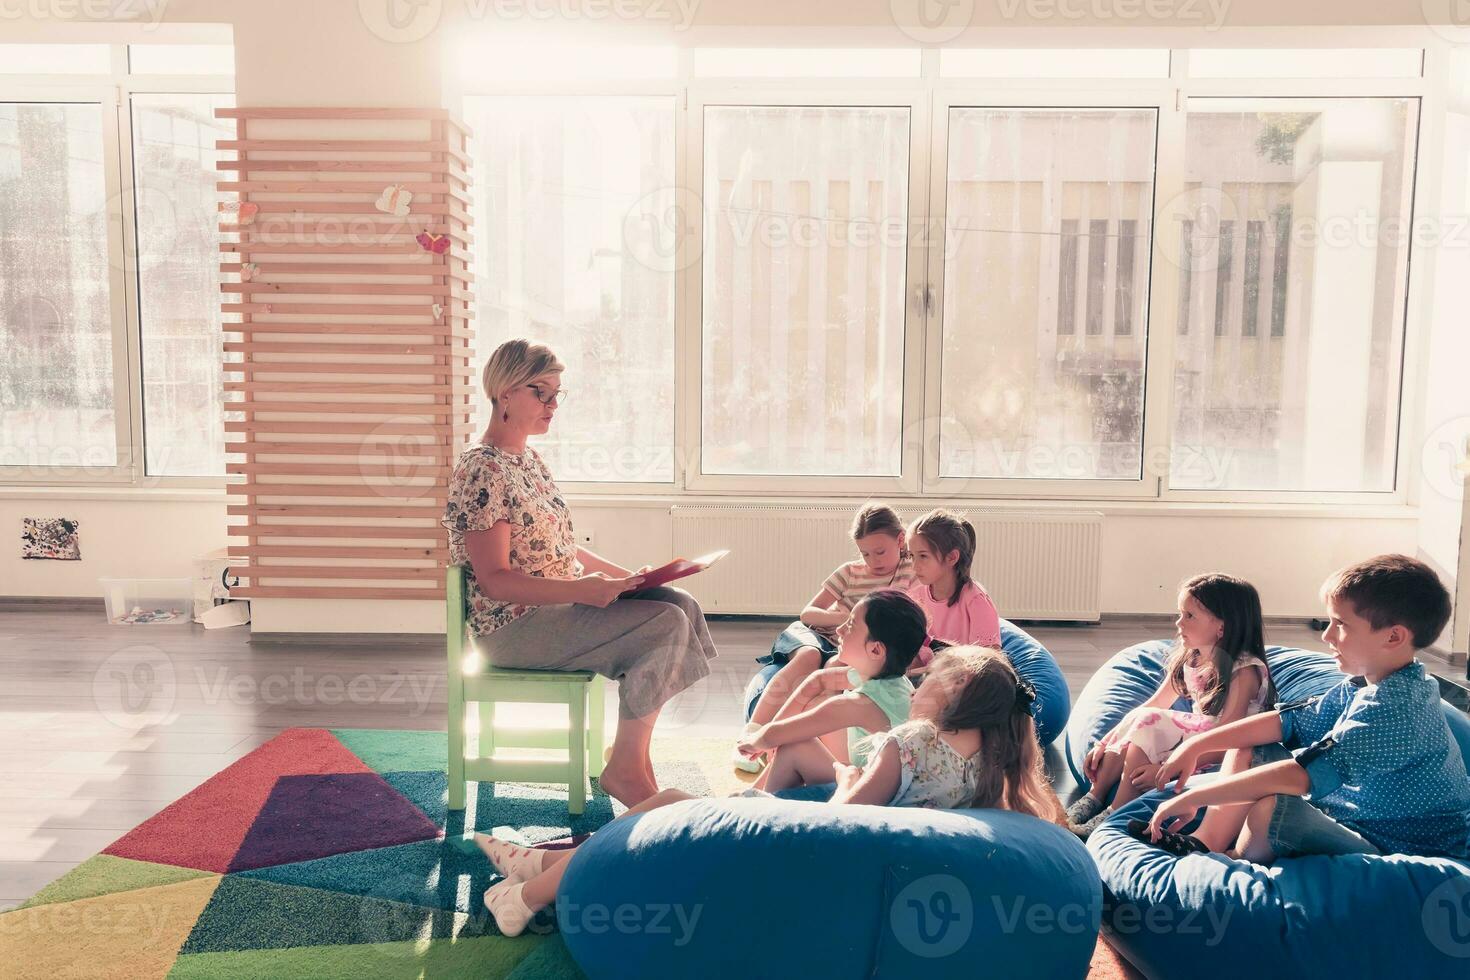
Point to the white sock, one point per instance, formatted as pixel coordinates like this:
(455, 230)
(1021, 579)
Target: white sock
(513, 862)
(508, 907)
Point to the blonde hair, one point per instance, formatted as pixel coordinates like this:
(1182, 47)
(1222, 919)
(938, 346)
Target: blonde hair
(985, 694)
(875, 518)
(515, 363)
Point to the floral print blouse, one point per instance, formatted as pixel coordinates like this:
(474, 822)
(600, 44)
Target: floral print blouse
(490, 485)
(931, 773)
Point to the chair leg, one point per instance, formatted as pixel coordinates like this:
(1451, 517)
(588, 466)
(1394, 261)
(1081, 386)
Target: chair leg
(577, 748)
(486, 747)
(596, 724)
(455, 770)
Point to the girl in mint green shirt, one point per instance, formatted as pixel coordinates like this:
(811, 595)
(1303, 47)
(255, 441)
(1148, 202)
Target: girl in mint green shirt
(864, 690)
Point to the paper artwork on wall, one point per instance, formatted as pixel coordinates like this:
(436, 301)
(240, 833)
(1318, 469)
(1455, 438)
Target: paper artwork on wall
(50, 538)
(240, 212)
(394, 200)
(438, 244)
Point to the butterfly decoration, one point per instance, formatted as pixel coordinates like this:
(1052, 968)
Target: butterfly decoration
(240, 212)
(248, 271)
(394, 200)
(438, 311)
(438, 244)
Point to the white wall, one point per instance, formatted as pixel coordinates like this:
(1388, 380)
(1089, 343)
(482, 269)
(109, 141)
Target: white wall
(155, 534)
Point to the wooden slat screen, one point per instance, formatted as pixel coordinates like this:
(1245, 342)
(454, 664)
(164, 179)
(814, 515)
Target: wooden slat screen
(348, 348)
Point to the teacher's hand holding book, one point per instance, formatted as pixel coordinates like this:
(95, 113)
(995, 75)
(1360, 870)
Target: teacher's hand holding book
(599, 590)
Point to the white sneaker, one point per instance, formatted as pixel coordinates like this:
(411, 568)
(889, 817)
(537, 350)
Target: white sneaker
(745, 763)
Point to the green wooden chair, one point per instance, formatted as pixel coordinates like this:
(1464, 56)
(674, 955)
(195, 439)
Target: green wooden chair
(484, 686)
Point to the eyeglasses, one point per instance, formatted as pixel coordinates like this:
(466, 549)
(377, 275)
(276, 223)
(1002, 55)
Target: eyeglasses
(557, 396)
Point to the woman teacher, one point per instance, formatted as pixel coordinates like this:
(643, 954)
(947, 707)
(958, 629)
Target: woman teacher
(536, 600)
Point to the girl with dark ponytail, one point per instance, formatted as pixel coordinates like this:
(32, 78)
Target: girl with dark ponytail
(958, 608)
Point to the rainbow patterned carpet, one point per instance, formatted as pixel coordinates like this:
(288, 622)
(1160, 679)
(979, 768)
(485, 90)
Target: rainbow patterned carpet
(320, 854)
(326, 854)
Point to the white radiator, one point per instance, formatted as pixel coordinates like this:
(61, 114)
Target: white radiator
(1034, 564)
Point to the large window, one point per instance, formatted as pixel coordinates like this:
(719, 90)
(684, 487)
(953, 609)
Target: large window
(805, 217)
(1047, 217)
(178, 281)
(57, 405)
(571, 200)
(110, 343)
(1144, 292)
(1148, 274)
(1293, 291)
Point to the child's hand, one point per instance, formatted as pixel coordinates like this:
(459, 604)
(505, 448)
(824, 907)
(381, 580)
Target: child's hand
(1180, 765)
(1143, 777)
(752, 744)
(846, 775)
(1175, 812)
(1095, 756)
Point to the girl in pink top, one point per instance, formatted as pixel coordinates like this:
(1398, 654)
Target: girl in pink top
(958, 609)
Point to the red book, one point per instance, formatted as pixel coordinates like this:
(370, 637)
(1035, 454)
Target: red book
(680, 568)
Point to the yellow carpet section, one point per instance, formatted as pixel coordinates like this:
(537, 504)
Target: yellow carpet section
(131, 935)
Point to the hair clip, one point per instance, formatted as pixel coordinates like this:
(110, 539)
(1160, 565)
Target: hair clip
(1025, 694)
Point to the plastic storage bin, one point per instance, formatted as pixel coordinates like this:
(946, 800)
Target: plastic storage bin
(150, 601)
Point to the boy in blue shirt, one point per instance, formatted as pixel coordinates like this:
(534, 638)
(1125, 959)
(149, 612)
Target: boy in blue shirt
(1379, 771)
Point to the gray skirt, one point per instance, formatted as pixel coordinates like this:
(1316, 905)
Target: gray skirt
(654, 643)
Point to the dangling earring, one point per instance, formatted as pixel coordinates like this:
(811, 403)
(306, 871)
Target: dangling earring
(505, 415)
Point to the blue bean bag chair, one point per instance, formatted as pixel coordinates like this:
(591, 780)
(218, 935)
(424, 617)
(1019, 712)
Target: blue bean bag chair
(747, 888)
(1032, 661)
(1208, 916)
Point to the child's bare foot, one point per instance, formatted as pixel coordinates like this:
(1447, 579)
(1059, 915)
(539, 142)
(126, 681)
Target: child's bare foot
(513, 862)
(628, 788)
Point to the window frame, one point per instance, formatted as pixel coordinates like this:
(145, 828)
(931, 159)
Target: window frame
(689, 387)
(1145, 94)
(114, 92)
(930, 96)
(676, 89)
(1423, 184)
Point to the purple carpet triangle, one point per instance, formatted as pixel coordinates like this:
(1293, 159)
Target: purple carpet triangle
(308, 817)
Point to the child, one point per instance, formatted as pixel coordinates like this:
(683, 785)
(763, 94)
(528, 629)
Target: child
(1380, 771)
(958, 609)
(970, 741)
(1218, 663)
(829, 716)
(808, 644)
(972, 745)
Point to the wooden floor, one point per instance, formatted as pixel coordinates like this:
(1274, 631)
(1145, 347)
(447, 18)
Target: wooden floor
(101, 726)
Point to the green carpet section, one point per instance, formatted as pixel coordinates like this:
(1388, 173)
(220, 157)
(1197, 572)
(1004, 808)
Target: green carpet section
(550, 960)
(107, 875)
(396, 751)
(246, 914)
(484, 957)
